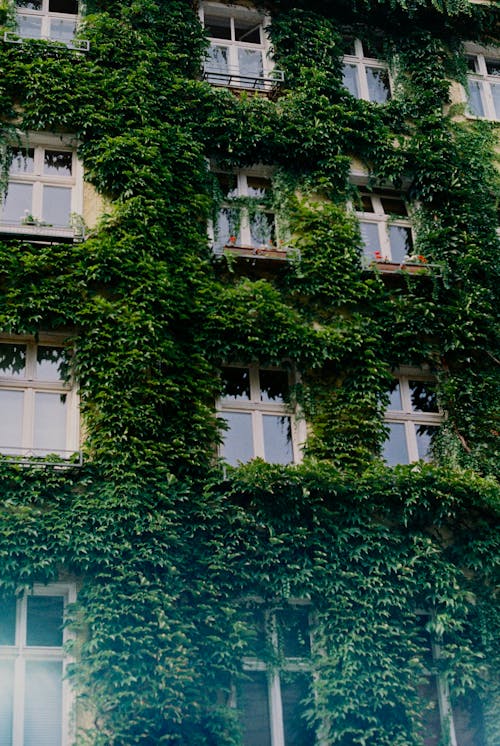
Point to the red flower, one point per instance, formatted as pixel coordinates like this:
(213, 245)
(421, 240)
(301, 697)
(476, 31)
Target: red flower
(378, 255)
(422, 259)
(232, 239)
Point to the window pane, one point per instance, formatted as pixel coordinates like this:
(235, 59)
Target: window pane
(227, 228)
(253, 705)
(262, 232)
(294, 689)
(393, 206)
(495, 92)
(247, 31)
(238, 441)
(378, 84)
(43, 703)
(217, 62)
(44, 621)
(218, 28)
(475, 103)
(18, 203)
(56, 205)
(57, 162)
(350, 79)
(395, 401)
(49, 431)
(395, 449)
(277, 439)
(6, 697)
(423, 396)
(468, 720)
(29, 27)
(51, 363)
(431, 730)
(425, 435)
(401, 242)
(236, 383)
(11, 421)
(62, 30)
(273, 385)
(13, 360)
(63, 6)
(250, 64)
(259, 188)
(370, 238)
(23, 161)
(293, 631)
(33, 5)
(8, 621)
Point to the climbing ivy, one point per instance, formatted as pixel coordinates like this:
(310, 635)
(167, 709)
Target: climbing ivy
(167, 547)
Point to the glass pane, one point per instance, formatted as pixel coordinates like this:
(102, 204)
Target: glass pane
(259, 188)
(401, 242)
(423, 396)
(18, 203)
(431, 725)
(294, 690)
(13, 360)
(395, 401)
(468, 720)
(57, 162)
(29, 5)
(472, 63)
(247, 31)
(29, 27)
(370, 238)
(11, 421)
(6, 703)
(277, 439)
(23, 161)
(393, 206)
(253, 706)
(378, 84)
(366, 203)
(51, 363)
(217, 62)
(373, 48)
(495, 92)
(44, 621)
(227, 230)
(238, 440)
(474, 100)
(293, 631)
(56, 208)
(395, 449)
(49, 430)
(43, 704)
(425, 435)
(493, 67)
(262, 229)
(228, 184)
(350, 79)
(236, 383)
(63, 6)
(62, 30)
(250, 64)
(218, 28)
(273, 385)
(8, 621)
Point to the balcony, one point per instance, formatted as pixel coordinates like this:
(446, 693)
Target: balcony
(233, 77)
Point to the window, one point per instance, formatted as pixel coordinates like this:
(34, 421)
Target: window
(47, 19)
(246, 218)
(385, 227)
(259, 422)
(39, 414)
(413, 418)
(483, 88)
(364, 75)
(34, 698)
(44, 190)
(271, 700)
(238, 54)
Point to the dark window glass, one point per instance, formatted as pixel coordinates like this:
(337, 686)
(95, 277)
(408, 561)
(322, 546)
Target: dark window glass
(44, 621)
(468, 720)
(33, 5)
(8, 621)
(423, 396)
(258, 187)
(253, 704)
(228, 185)
(13, 360)
(293, 631)
(472, 63)
(366, 203)
(294, 690)
(393, 206)
(247, 31)
(57, 162)
(236, 383)
(218, 28)
(273, 385)
(349, 46)
(63, 6)
(493, 67)
(373, 48)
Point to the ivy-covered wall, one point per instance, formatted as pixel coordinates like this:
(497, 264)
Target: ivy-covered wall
(168, 548)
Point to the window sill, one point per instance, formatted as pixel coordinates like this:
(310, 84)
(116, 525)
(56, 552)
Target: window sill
(51, 460)
(262, 252)
(412, 268)
(76, 45)
(31, 230)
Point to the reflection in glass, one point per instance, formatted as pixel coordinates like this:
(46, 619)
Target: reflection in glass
(29, 27)
(43, 703)
(250, 65)
(395, 401)
(23, 161)
(425, 435)
(6, 701)
(7, 623)
(273, 385)
(495, 92)
(56, 205)
(475, 102)
(57, 162)
(238, 440)
(49, 431)
(13, 360)
(227, 229)
(236, 383)
(62, 30)
(218, 28)
(29, 4)
(11, 421)
(51, 363)
(350, 79)
(253, 706)
(262, 232)
(217, 62)
(44, 621)
(395, 449)
(247, 31)
(295, 688)
(400, 241)
(370, 238)
(17, 204)
(277, 439)
(378, 84)
(423, 396)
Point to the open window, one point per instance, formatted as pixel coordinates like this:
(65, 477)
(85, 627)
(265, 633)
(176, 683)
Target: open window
(365, 75)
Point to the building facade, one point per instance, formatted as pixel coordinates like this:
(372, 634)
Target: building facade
(249, 373)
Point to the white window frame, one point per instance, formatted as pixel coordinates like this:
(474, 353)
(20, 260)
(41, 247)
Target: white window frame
(299, 665)
(383, 221)
(46, 18)
(257, 409)
(484, 80)
(233, 77)
(361, 62)
(407, 416)
(29, 385)
(39, 143)
(20, 652)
